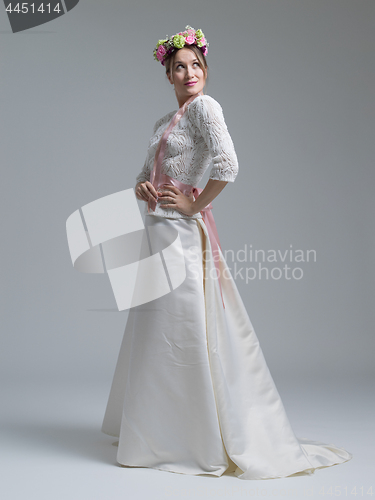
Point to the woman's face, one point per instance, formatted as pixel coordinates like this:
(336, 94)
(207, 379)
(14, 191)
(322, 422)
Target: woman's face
(186, 74)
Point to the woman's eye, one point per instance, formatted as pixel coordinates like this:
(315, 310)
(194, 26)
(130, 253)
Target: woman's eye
(181, 65)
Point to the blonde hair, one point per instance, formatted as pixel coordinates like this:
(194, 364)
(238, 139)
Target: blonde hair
(197, 51)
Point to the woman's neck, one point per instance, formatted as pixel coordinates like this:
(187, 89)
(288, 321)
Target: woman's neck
(181, 100)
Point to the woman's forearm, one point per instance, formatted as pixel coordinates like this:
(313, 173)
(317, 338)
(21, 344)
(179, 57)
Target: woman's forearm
(209, 193)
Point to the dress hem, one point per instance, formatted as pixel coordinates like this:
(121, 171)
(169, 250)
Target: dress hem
(308, 472)
(172, 471)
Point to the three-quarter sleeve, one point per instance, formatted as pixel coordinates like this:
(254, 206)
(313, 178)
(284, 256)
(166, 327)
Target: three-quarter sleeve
(145, 173)
(207, 115)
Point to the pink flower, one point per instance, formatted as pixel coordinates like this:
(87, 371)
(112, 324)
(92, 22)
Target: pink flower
(190, 39)
(160, 53)
(203, 41)
(204, 50)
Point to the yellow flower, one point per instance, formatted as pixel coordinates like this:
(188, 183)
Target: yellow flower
(178, 41)
(160, 42)
(199, 34)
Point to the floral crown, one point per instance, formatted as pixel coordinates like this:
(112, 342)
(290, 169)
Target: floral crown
(189, 37)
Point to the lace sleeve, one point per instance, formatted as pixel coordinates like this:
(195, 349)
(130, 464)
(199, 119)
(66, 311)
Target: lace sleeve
(207, 115)
(145, 173)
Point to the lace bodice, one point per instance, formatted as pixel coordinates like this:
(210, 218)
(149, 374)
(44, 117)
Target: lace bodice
(201, 136)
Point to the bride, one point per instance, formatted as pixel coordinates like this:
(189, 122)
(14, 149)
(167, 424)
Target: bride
(192, 392)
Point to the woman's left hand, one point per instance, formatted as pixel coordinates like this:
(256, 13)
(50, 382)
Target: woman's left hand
(177, 200)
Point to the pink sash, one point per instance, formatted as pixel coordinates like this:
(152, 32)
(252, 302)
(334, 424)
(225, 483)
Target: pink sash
(159, 179)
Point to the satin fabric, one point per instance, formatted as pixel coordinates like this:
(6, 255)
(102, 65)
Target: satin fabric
(192, 392)
(206, 213)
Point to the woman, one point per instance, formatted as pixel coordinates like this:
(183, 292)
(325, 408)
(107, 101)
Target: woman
(192, 392)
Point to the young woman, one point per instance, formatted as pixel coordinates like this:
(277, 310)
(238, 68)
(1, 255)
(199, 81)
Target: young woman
(192, 392)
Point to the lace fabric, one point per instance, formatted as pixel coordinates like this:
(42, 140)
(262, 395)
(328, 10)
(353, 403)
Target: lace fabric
(199, 138)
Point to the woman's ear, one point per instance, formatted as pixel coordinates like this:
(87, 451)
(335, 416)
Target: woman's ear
(170, 78)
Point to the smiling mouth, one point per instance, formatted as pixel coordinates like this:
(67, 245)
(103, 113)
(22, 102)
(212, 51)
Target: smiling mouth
(190, 83)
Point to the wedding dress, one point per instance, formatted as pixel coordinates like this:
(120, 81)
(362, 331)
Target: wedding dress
(192, 392)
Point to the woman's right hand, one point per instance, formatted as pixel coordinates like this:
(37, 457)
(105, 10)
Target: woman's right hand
(145, 190)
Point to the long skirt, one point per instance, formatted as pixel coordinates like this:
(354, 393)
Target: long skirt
(192, 392)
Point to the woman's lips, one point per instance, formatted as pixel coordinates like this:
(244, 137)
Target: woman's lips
(190, 84)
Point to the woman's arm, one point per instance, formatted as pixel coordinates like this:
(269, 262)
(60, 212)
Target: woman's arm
(143, 188)
(209, 193)
(207, 117)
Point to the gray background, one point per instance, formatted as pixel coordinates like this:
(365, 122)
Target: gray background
(79, 98)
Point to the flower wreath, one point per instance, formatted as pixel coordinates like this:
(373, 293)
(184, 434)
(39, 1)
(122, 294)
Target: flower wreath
(189, 37)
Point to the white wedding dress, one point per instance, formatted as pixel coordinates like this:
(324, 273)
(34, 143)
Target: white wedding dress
(192, 392)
